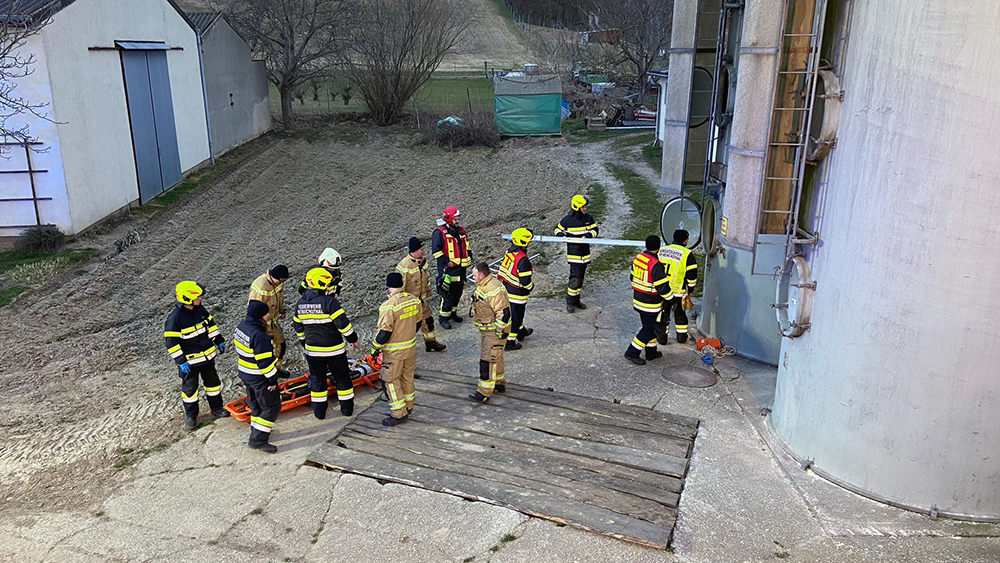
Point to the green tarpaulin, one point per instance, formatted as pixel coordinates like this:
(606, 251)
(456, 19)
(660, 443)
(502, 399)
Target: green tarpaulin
(528, 114)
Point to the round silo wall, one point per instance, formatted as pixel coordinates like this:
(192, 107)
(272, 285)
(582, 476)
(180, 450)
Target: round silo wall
(895, 389)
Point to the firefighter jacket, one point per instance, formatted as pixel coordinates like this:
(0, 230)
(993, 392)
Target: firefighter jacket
(416, 277)
(254, 350)
(515, 273)
(192, 335)
(650, 284)
(398, 318)
(271, 294)
(491, 306)
(322, 325)
(680, 268)
(451, 244)
(577, 225)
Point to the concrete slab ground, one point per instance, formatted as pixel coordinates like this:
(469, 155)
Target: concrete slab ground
(208, 498)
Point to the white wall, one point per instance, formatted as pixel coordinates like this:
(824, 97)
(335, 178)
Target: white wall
(35, 89)
(89, 98)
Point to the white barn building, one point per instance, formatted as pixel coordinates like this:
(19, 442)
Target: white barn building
(126, 112)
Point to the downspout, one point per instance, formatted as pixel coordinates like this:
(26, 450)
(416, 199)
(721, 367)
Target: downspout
(204, 93)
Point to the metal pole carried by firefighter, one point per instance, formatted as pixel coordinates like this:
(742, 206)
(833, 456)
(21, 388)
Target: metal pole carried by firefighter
(650, 286)
(450, 245)
(269, 288)
(258, 369)
(417, 282)
(515, 273)
(396, 340)
(578, 224)
(682, 272)
(193, 340)
(492, 317)
(322, 327)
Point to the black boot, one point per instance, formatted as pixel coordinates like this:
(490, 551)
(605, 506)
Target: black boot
(266, 447)
(635, 360)
(579, 304)
(512, 345)
(391, 421)
(259, 441)
(434, 346)
(662, 339)
(220, 413)
(190, 422)
(478, 397)
(319, 410)
(570, 302)
(444, 322)
(500, 387)
(682, 337)
(525, 332)
(456, 318)
(653, 353)
(347, 407)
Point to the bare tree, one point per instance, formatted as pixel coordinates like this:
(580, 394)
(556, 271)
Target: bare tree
(643, 28)
(16, 63)
(298, 40)
(394, 48)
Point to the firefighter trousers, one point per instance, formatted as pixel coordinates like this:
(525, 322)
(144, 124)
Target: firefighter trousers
(427, 328)
(397, 381)
(277, 339)
(450, 298)
(575, 287)
(324, 370)
(680, 320)
(264, 406)
(189, 387)
(646, 338)
(491, 368)
(516, 321)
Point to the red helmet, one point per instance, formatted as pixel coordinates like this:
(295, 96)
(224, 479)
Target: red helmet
(450, 213)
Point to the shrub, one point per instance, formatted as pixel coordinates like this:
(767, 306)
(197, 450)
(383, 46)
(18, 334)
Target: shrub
(476, 128)
(43, 238)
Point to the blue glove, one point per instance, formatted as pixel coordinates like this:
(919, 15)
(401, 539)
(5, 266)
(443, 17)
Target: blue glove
(222, 347)
(185, 368)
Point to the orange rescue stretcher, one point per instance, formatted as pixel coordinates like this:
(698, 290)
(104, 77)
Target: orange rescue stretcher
(295, 391)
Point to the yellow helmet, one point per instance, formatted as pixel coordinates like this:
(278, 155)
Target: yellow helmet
(578, 202)
(521, 237)
(188, 291)
(319, 278)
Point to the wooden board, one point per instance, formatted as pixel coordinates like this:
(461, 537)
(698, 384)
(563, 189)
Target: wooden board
(615, 470)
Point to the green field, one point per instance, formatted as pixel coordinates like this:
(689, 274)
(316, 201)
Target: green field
(439, 95)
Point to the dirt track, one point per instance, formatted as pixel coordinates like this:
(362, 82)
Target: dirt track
(87, 374)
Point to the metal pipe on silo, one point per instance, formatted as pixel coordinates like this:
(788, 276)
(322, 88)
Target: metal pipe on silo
(893, 390)
(737, 305)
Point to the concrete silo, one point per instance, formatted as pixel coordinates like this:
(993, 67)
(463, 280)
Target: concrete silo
(890, 383)
(894, 388)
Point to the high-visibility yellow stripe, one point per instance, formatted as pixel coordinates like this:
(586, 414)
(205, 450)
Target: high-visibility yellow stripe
(243, 347)
(263, 356)
(401, 345)
(171, 334)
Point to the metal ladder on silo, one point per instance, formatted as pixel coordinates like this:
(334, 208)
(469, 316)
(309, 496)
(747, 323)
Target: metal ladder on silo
(799, 139)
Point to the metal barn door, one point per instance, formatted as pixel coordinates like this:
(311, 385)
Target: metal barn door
(151, 113)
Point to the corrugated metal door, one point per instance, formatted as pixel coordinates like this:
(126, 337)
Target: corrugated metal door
(140, 110)
(151, 113)
(163, 114)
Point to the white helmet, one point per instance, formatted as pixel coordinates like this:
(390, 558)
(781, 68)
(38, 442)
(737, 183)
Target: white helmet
(330, 259)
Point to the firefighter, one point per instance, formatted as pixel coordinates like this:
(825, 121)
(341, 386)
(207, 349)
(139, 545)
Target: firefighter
(398, 317)
(492, 318)
(650, 286)
(269, 288)
(331, 260)
(417, 282)
(515, 273)
(450, 246)
(258, 369)
(578, 224)
(682, 271)
(322, 327)
(193, 341)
